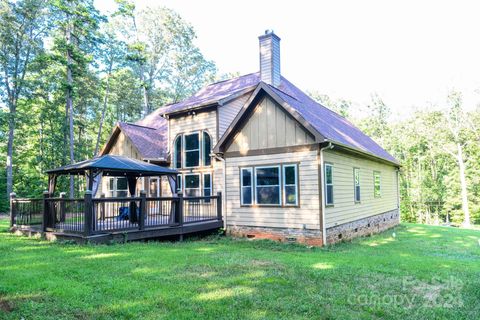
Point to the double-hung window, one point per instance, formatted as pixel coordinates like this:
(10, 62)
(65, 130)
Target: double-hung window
(356, 183)
(179, 183)
(328, 184)
(118, 187)
(290, 186)
(267, 185)
(207, 186)
(246, 189)
(192, 150)
(376, 184)
(192, 185)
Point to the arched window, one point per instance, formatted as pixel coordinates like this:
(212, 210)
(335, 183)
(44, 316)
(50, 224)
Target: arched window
(177, 152)
(207, 149)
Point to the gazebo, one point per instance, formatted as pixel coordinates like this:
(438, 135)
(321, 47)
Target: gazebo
(113, 166)
(103, 219)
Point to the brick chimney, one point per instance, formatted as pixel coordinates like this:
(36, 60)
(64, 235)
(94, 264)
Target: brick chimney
(270, 58)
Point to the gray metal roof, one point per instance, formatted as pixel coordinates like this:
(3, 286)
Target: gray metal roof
(114, 166)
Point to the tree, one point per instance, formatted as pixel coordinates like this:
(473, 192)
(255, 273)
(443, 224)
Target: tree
(340, 106)
(456, 143)
(77, 22)
(21, 31)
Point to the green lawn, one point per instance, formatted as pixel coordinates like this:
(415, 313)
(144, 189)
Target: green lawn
(422, 273)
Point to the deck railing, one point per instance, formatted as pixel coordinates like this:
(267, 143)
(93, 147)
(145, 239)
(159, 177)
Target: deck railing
(90, 216)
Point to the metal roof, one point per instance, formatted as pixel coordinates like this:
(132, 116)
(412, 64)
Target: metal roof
(112, 165)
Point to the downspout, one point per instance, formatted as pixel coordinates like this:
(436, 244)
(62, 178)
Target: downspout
(224, 189)
(321, 187)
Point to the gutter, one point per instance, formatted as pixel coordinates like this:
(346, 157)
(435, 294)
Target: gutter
(321, 188)
(224, 188)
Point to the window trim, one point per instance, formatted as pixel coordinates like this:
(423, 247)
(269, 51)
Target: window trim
(284, 184)
(355, 171)
(375, 172)
(184, 149)
(325, 184)
(279, 204)
(251, 187)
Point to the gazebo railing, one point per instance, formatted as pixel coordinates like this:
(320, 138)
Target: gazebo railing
(90, 216)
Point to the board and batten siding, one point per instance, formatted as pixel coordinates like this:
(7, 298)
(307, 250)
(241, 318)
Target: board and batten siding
(269, 127)
(307, 214)
(344, 208)
(229, 111)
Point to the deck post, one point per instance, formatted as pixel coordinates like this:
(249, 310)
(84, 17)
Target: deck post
(180, 209)
(102, 207)
(142, 210)
(46, 211)
(88, 217)
(13, 195)
(63, 195)
(219, 206)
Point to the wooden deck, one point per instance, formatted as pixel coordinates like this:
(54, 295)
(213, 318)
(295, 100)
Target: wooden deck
(101, 220)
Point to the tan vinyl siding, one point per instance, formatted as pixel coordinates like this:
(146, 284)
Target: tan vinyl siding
(345, 209)
(269, 127)
(206, 121)
(229, 111)
(308, 212)
(190, 123)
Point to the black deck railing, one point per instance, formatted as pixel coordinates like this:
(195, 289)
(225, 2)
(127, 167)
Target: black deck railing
(90, 216)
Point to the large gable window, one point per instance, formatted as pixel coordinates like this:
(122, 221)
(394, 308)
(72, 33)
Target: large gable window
(192, 150)
(267, 185)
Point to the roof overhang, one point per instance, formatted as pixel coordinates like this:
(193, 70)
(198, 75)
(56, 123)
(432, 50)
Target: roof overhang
(262, 90)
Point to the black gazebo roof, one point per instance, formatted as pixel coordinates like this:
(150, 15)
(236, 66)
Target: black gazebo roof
(111, 165)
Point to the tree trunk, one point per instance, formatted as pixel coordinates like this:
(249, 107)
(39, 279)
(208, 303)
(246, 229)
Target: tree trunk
(70, 103)
(146, 108)
(11, 135)
(463, 186)
(104, 110)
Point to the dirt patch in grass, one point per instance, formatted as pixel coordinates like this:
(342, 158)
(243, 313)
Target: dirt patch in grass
(5, 305)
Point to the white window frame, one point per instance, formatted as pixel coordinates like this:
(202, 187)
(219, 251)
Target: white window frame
(179, 183)
(159, 182)
(184, 149)
(180, 136)
(210, 188)
(115, 190)
(328, 184)
(379, 184)
(250, 169)
(279, 186)
(284, 184)
(355, 185)
(203, 151)
(199, 184)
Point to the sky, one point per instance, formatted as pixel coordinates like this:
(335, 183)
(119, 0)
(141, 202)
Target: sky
(411, 53)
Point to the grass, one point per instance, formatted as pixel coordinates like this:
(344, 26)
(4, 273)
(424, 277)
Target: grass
(422, 273)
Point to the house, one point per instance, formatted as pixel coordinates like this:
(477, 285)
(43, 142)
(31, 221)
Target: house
(288, 168)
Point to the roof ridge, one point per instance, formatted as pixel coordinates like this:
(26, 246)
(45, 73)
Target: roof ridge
(241, 76)
(136, 125)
